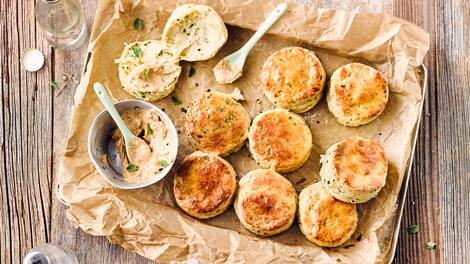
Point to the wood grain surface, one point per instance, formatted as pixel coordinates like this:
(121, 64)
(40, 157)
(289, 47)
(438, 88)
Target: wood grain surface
(34, 122)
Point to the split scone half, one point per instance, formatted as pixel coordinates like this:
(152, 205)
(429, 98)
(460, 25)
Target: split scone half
(280, 140)
(266, 202)
(354, 170)
(216, 123)
(204, 185)
(324, 220)
(195, 32)
(357, 94)
(148, 69)
(293, 78)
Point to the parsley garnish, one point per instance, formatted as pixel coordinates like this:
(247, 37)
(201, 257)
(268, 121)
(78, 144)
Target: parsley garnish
(132, 168)
(144, 75)
(164, 163)
(136, 51)
(192, 71)
(138, 24)
(149, 129)
(430, 245)
(175, 100)
(54, 85)
(413, 229)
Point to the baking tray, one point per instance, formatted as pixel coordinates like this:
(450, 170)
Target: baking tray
(423, 74)
(404, 188)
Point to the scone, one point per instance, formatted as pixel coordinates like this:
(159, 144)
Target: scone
(196, 32)
(266, 202)
(354, 170)
(216, 123)
(204, 185)
(357, 94)
(148, 69)
(325, 221)
(293, 78)
(280, 140)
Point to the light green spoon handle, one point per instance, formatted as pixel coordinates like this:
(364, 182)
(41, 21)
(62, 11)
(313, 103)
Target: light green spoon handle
(109, 105)
(273, 17)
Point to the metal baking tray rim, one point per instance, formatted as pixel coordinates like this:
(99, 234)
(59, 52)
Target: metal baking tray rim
(404, 189)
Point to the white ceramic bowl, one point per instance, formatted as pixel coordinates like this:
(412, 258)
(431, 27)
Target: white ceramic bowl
(102, 150)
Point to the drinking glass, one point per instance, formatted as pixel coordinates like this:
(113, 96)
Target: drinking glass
(63, 22)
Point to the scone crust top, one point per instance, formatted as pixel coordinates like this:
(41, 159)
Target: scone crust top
(216, 123)
(360, 163)
(266, 202)
(196, 32)
(324, 220)
(357, 94)
(293, 76)
(148, 69)
(280, 140)
(204, 184)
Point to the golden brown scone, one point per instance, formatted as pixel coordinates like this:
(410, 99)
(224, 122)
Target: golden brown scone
(266, 202)
(325, 221)
(204, 185)
(355, 169)
(280, 140)
(216, 123)
(357, 94)
(293, 78)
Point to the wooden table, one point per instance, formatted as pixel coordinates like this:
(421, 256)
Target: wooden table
(34, 122)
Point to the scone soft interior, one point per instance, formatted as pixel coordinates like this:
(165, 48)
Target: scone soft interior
(195, 32)
(148, 70)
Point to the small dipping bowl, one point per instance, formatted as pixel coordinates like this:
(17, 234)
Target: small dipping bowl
(104, 154)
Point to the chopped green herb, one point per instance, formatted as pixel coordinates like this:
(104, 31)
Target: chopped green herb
(430, 245)
(228, 118)
(164, 163)
(413, 229)
(149, 129)
(144, 75)
(132, 168)
(138, 24)
(175, 100)
(136, 51)
(54, 85)
(192, 71)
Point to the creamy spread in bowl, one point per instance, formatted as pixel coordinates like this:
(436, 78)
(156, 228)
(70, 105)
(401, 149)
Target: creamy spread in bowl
(107, 150)
(149, 126)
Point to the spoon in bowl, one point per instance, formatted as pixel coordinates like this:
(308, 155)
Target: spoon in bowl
(135, 146)
(230, 68)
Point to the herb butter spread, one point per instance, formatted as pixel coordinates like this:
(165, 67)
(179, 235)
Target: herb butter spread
(225, 72)
(150, 127)
(148, 70)
(195, 32)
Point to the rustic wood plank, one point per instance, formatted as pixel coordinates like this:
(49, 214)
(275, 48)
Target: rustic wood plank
(26, 136)
(88, 249)
(422, 206)
(437, 200)
(453, 146)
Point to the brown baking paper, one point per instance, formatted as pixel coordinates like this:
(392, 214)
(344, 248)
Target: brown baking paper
(147, 221)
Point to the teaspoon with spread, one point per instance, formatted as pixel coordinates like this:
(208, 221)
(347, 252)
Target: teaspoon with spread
(230, 68)
(135, 146)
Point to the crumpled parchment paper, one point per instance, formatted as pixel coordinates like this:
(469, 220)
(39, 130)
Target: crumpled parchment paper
(148, 221)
